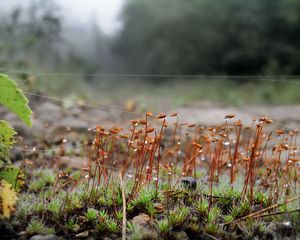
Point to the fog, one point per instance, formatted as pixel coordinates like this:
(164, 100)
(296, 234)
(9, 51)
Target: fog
(157, 41)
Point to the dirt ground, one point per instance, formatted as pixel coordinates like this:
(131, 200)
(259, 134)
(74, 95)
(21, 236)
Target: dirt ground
(53, 118)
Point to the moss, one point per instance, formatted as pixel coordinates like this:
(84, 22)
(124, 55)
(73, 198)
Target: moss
(138, 232)
(91, 214)
(38, 227)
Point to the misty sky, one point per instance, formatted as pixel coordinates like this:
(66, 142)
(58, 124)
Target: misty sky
(104, 12)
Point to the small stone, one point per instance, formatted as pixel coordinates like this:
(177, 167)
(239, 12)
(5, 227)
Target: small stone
(189, 182)
(45, 237)
(287, 223)
(75, 124)
(48, 112)
(22, 233)
(82, 234)
(141, 219)
(73, 162)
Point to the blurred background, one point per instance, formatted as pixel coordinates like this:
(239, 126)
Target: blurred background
(154, 52)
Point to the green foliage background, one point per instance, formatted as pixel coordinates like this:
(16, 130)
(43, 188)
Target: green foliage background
(204, 36)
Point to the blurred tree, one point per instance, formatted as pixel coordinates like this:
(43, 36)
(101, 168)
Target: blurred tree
(29, 36)
(210, 37)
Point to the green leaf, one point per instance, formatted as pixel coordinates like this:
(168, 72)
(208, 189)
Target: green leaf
(13, 176)
(6, 139)
(13, 98)
(6, 133)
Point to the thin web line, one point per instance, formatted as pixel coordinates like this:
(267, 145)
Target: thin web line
(111, 108)
(97, 106)
(108, 108)
(266, 78)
